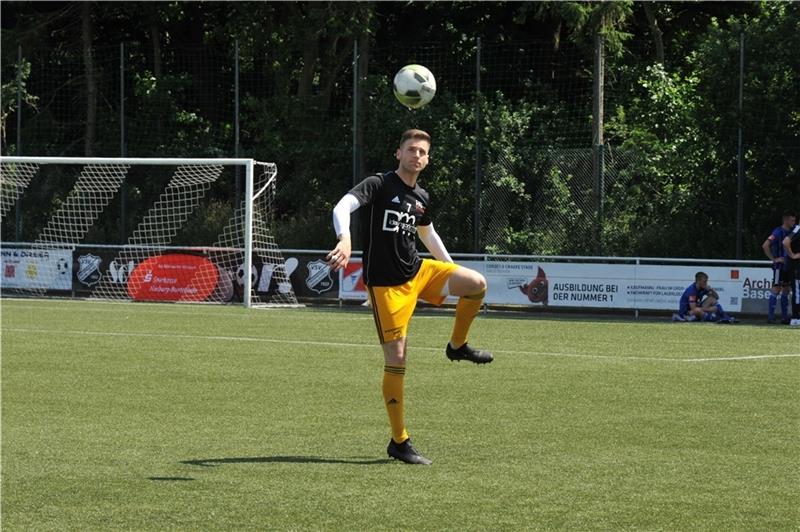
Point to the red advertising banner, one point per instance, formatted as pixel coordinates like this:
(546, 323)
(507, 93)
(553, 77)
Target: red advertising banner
(173, 277)
(351, 280)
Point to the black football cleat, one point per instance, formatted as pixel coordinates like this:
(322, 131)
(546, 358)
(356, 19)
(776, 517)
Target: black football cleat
(465, 352)
(405, 452)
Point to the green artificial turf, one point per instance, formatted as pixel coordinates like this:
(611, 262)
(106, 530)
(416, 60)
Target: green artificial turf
(154, 417)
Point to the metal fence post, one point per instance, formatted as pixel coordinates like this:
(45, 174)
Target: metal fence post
(19, 100)
(355, 224)
(740, 156)
(123, 193)
(236, 99)
(18, 210)
(236, 146)
(122, 99)
(355, 111)
(598, 162)
(476, 227)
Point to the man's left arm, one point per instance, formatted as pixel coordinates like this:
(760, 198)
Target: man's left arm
(433, 242)
(787, 244)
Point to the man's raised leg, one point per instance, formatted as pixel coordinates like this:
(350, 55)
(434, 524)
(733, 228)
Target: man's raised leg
(470, 286)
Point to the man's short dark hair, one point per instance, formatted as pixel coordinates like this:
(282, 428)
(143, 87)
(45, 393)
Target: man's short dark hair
(699, 276)
(789, 214)
(414, 134)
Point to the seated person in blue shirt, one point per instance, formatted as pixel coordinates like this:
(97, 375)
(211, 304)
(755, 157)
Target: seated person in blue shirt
(700, 302)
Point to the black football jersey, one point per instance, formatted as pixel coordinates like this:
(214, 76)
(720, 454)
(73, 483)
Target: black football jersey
(390, 212)
(794, 238)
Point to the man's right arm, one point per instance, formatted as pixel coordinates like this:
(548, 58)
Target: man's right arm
(360, 195)
(691, 297)
(767, 247)
(340, 255)
(341, 215)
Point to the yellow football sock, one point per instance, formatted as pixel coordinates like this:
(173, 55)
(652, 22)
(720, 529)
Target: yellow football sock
(466, 310)
(393, 398)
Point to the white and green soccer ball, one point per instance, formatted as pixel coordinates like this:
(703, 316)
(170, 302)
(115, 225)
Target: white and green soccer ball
(414, 86)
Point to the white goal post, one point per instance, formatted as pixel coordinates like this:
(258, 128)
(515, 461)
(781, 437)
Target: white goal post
(149, 229)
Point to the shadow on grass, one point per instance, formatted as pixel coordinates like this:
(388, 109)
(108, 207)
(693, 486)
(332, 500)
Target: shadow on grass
(214, 462)
(171, 479)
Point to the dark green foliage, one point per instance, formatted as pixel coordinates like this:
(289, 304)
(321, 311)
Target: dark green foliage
(682, 126)
(671, 128)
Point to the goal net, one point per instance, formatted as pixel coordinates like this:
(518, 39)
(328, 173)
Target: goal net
(180, 230)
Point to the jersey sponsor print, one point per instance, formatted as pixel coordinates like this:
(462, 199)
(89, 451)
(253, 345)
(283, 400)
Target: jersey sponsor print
(390, 212)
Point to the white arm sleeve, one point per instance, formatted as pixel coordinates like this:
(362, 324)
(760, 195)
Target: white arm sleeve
(341, 214)
(431, 239)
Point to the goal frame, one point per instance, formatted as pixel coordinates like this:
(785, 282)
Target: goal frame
(248, 165)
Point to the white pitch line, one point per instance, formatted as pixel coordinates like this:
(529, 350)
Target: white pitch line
(582, 355)
(311, 342)
(374, 346)
(160, 308)
(192, 337)
(744, 357)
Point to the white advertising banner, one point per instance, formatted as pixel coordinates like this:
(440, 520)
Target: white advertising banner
(600, 286)
(660, 287)
(46, 269)
(558, 284)
(756, 288)
(655, 287)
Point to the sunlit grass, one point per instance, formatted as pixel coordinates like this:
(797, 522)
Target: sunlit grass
(151, 417)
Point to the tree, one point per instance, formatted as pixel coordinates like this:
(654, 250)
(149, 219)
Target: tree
(16, 86)
(671, 129)
(770, 122)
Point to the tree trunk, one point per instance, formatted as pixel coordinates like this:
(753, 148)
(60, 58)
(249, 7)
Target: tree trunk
(655, 32)
(557, 37)
(155, 38)
(310, 55)
(91, 81)
(556, 48)
(338, 51)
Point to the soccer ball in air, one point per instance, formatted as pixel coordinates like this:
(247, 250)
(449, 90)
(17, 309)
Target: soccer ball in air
(414, 86)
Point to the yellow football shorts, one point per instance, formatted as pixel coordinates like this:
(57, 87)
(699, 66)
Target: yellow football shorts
(392, 306)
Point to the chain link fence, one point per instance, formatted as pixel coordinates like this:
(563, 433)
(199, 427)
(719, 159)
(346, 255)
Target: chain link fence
(514, 168)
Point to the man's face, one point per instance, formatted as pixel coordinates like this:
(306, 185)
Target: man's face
(413, 155)
(702, 283)
(789, 221)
